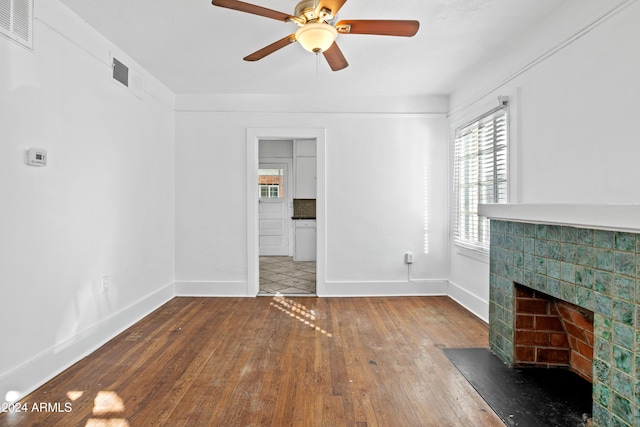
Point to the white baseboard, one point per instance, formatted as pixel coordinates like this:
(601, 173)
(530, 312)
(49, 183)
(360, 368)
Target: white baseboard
(211, 289)
(432, 287)
(470, 301)
(25, 378)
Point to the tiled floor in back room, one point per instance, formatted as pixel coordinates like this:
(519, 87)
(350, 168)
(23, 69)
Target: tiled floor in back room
(280, 274)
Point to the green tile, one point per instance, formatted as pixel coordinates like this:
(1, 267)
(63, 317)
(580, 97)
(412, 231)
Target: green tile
(603, 325)
(569, 234)
(584, 255)
(621, 407)
(541, 231)
(554, 233)
(541, 265)
(623, 359)
(601, 371)
(603, 282)
(495, 225)
(553, 268)
(603, 304)
(568, 292)
(568, 272)
(623, 335)
(568, 253)
(541, 283)
(584, 276)
(601, 416)
(625, 241)
(554, 250)
(601, 394)
(602, 348)
(624, 288)
(622, 383)
(541, 248)
(553, 287)
(528, 245)
(529, 230)
(584, 297)
(585, 236)
(624, 263)
(603, 239)
(603, 259)
(623, 312)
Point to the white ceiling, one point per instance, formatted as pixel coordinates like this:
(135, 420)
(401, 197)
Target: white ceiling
(194, 47)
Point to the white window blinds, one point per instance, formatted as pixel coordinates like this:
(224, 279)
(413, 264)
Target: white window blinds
(480, 175)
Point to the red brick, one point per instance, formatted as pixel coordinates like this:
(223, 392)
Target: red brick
(575, 331)
(581, 321)
(563, 310)
(532, 306)
(521, 291)
(559, 340)
(525, 354)
(582, 365)
(589, 338)
(524, 321)
(585, 350)
(553, 355)
(548, 323)
(529, 338)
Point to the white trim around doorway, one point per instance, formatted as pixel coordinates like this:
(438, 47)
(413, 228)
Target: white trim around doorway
(254, 135)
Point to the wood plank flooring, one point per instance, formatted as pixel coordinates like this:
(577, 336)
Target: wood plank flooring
(275, 361)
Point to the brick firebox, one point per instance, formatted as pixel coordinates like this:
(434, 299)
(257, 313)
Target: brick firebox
(552, 333)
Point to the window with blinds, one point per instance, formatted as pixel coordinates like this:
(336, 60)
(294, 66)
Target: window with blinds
(480, 175)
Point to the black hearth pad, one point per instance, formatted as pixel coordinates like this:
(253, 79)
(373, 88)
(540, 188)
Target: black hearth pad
(524, 397)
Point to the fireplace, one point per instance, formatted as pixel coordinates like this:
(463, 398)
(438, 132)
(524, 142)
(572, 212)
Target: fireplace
(596, 272)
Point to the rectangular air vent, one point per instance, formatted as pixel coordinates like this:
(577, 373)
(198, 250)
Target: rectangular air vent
(120, 72)
(16, 21)
(127, 77)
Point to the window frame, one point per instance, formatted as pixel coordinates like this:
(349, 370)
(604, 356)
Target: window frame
(478, 245)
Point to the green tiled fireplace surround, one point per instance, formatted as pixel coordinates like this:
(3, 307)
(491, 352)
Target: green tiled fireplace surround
(595, 269)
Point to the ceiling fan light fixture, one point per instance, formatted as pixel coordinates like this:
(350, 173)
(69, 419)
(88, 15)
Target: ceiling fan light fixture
(316, 37)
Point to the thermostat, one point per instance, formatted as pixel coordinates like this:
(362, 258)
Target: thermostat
(35, 157)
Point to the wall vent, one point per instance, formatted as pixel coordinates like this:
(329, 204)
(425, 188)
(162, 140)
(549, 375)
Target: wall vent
(16, 21)
(120, 72)
(125, 76)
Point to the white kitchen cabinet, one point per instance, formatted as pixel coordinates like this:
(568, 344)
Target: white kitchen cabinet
(305, 240)
(305, 177)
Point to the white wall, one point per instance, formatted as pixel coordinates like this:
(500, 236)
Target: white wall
(575, 96)
(384, 176)
(104, 205)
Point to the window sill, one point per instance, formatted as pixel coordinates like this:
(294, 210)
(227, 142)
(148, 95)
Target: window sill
(476, 254)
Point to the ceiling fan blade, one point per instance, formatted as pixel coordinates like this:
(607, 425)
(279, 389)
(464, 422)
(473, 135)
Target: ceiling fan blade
(268, 50)
(379, 27)
(333, 5)
(251, 8)
(335, 58)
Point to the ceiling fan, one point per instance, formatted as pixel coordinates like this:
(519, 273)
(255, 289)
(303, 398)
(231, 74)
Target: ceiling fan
(317, 32)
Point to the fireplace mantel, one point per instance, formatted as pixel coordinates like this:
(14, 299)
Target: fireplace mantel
(603, 217)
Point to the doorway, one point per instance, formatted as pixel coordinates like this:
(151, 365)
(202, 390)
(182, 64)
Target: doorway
(253, 137)
(286, 172)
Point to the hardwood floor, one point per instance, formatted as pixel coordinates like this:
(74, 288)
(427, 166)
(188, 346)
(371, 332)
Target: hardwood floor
(274, 362)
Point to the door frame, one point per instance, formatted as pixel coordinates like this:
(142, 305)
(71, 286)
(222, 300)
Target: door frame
(253, 137)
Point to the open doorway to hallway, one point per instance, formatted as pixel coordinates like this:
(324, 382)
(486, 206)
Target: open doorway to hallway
(287, 216)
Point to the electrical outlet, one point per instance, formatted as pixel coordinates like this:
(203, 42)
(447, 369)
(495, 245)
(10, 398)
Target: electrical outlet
(408, 258)
(105, 283)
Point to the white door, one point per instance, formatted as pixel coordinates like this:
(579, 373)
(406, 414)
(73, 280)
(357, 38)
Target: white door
(273, 209)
